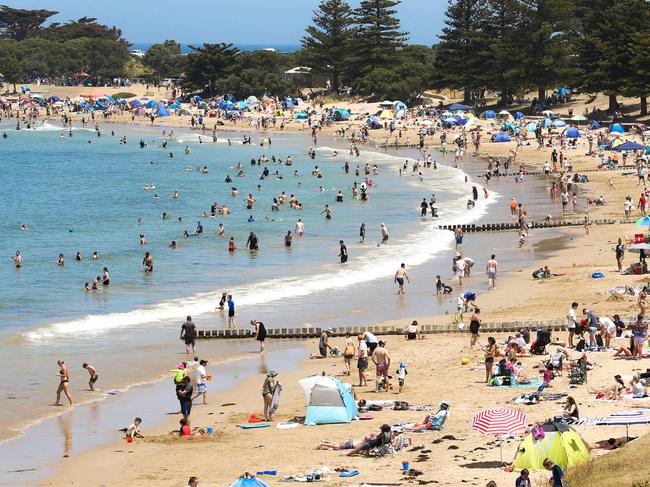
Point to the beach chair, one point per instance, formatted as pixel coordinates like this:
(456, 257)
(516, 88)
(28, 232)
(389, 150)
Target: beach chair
(578, 372)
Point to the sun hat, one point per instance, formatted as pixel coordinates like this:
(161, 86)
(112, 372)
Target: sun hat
(271, 373)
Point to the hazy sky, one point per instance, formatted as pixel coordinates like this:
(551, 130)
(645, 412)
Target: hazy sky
(238, 21)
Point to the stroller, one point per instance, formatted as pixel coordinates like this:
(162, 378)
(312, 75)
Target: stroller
(538, 347)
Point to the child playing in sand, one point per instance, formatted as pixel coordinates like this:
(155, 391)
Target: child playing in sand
(401, 375)
(133, 430)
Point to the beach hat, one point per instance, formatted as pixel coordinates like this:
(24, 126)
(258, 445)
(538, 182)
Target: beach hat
(271, 373)
(181, 365)
(328, 330)
(444, 405)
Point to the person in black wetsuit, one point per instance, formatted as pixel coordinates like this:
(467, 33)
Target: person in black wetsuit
(260, 333)
(343, 254)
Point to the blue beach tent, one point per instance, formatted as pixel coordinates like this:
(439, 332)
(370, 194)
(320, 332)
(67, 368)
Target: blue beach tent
(519, 116)
(341, 115)
(162, 111)
(559, 123)
(374, 123)
(247, 481)
(594, 125)
(302, 116)
(617, 127)
(458, 106)
(572, 133)
(151, 104)
(489, 114)
(135, 104)
(502, 137)
(328, 400)
(629, 146)
(531, 127)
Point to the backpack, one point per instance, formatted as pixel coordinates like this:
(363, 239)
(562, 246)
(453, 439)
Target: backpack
(401, 406)
(538, 432)
(581, 345)
(599, 341)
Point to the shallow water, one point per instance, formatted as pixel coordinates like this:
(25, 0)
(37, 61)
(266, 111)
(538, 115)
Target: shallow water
(81, 196)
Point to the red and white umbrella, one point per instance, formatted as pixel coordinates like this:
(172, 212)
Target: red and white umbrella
(499, 421)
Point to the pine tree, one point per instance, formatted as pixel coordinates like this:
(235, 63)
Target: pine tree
(378, 36)
(459, 62)
(547, 43)
(607, 48)
(327, 43)
(638, 84)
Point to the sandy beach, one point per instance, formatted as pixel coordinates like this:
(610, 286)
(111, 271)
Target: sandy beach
(456, 455)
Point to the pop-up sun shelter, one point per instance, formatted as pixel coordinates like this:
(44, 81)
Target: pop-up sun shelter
(328, 400)
(249, 481)
(560, 443)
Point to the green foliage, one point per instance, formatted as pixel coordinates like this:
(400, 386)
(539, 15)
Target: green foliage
(164, 60)
(206, 64)
(378, 36)
(11, 70)
(123, 94)
(85, 27)
(328, 42)
(19, 24)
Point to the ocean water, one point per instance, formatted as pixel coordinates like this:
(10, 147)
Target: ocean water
(185, 48)
(85, 193)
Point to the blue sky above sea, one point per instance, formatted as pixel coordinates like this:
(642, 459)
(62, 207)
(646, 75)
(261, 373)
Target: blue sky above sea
(264, 23)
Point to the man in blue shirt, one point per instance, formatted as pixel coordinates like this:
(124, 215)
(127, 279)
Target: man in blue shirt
(556, 472)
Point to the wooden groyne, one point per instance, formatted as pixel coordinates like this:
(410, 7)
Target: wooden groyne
(499, 227)
(380, 330)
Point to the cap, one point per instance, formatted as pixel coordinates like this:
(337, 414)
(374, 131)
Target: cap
(328, 330)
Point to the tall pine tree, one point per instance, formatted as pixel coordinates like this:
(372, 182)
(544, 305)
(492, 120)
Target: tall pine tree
(460, 62)
(378, 37)
(327, 43)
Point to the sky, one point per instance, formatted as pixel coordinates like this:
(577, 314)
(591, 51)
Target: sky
(238, 21)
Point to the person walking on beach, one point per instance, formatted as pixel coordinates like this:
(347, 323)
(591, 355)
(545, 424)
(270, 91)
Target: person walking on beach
(384, 235)
(260, 333)
(400, 275)
(231, 312)
(201, 377)
(474, 326)
(491, 270)
(93, 375)
(572, 322)
(620, 253)
(268, 389)
(188, 334)
(63, 384)
(184, 392)
(381, 359)
(362, 361)
(348, 353)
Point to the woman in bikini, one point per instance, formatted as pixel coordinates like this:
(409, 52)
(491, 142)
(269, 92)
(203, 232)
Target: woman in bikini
(490, 352)
(63, 385)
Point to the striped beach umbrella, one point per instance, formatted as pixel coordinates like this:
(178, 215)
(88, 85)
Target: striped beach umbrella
(499, 421)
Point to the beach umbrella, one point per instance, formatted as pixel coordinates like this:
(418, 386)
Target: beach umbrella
(559, 123)
(629, 146)
(548, 113)
(572, 133)
(579, 118)
(499, 421)
(386, 103)
(504, 113)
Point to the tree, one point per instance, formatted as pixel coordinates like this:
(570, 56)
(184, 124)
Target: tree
(11, 70)
(378, 37)
(84, 27)
(638, 83)
(19, 24)
(206, 64)
(606, 47)
(327, 43)
(165, 60)
(458, 64)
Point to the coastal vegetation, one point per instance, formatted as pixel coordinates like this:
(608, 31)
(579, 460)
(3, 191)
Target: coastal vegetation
(508, 47)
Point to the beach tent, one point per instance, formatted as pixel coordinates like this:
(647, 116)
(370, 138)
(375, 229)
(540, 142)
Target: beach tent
(162, 111)
(519, 116)
(460, 120)
(135, 104)
(489, 114)
(399, 106)
(594, 125)
(341, 115)
(328, 400)
(502, 137)
(53, 99)
(386, 115)
(251, 100)
(449, 121)
(559, 123)
(242, 105)
(247, 481)
(302, 116)
(471, 122)
(175, 105)
(572, 133)
(458, 106)
(547, 122)
(617, 127)
(386, 103)
(579, 118)
(531, 127)
(561, 443)
(374, 123)
(151, 104)
(196, 99)
(278, 113)
(629, 146)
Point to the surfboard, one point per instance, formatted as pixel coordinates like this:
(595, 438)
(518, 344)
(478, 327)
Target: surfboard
(254, 426)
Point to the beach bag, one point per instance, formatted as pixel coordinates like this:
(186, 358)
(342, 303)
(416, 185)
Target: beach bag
(581, 345)
(597, 275)
(599, 341)
(538, 432)
(401, 406)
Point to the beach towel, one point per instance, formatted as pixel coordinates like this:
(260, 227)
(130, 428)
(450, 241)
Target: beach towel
(287, 425)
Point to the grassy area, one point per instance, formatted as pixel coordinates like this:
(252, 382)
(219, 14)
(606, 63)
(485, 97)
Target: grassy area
(627, 467)
(123, 94)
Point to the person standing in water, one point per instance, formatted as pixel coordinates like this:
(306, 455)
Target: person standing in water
(343, 252)
(93, 375)
(147, 262)
(400, 275)
(63, 384)
(18, 260)
(231, 312)
(188, 334)
(300, 228)
(260, 333)
(384, 234)
(491, 270)
(362, 233)
(328, 212)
